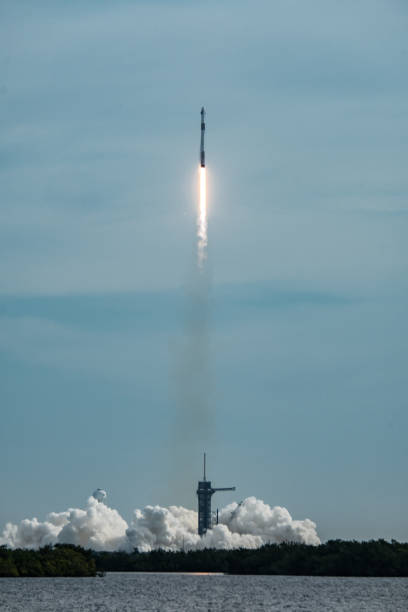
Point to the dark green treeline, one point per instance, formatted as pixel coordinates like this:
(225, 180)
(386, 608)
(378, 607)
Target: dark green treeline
(58, 560)
(334, 558)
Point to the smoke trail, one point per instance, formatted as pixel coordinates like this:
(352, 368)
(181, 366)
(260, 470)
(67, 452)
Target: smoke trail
(249, 524)
(193, 423)
(202, 224)
(198, 321)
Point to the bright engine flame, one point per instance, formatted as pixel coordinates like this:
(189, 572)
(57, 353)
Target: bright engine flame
(202, 219)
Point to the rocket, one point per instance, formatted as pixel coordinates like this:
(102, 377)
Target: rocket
(202, 152)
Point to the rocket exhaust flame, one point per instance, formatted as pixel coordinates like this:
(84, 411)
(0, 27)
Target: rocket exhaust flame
(202, 220)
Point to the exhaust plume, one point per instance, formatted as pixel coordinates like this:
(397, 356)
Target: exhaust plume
(202, 224)
(249, 524)
(193, 423)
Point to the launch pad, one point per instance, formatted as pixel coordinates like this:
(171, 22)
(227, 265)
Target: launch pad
(205, 492)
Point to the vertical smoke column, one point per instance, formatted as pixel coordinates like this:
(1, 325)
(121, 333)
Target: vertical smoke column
(193, 423)
(202, 221)
(198, 332)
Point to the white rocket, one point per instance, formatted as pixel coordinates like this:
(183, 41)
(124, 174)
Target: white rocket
(202, 152)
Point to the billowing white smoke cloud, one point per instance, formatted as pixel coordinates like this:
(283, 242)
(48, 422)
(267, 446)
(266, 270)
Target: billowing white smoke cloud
(98, 527)
(169, 528)
(246, 525)
(253, 516)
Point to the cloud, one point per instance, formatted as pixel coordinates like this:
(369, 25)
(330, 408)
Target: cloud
(249, 524)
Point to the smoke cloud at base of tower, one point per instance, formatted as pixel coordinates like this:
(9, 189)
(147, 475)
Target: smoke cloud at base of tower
(249, 524)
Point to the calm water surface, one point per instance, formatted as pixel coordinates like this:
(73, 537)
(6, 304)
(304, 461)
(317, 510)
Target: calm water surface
(215, 593)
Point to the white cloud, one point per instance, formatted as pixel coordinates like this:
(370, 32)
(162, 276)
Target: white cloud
(249, 524)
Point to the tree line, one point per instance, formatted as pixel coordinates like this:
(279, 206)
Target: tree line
(58, 560)
(334, 558)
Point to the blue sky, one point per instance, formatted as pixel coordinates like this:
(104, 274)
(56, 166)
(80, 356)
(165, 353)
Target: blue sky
(307, 154)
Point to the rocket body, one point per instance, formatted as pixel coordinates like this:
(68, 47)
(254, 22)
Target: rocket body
(202, 152)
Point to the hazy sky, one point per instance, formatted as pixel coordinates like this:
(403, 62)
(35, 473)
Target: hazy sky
(307, 144)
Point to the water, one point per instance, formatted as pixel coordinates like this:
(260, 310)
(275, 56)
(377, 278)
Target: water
(216, 593)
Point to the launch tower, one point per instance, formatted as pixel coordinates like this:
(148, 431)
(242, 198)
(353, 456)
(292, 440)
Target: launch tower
(204, 492)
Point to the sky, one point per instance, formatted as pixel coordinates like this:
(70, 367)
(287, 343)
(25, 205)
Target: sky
(306, 147)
